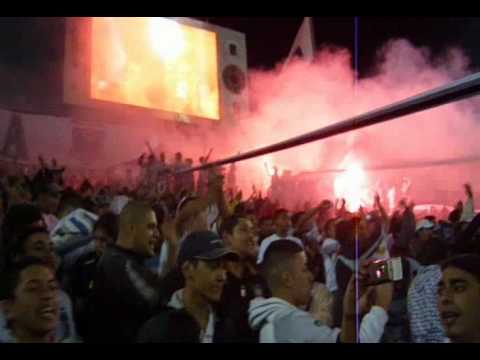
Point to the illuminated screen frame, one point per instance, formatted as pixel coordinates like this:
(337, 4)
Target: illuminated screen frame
(78, 73)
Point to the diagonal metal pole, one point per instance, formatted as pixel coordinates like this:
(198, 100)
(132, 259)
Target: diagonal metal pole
(405, 165)
(458, 90)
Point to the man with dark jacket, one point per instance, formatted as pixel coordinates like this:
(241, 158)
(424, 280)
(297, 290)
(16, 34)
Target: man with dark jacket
(191, 315)
(125, 292)
(243, 280)
(368, 233)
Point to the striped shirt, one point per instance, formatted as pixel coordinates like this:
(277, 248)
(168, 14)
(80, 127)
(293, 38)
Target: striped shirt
(425, 323)
(78, 222)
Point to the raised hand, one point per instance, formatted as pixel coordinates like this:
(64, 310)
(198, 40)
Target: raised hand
(468, 190)
(384, 295)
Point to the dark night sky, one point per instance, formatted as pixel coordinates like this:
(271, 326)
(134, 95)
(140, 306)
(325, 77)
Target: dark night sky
(35, 45)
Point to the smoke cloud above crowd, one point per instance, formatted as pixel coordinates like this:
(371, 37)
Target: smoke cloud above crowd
(291, 100)
(306, 96)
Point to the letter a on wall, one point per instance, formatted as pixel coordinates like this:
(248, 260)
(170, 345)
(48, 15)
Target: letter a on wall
(14, 144)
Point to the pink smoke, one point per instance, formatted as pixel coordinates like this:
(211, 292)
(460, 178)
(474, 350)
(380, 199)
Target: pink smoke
(304, 97)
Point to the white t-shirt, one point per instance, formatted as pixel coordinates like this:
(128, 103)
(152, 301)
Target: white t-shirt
(280, 322)
(272, 238)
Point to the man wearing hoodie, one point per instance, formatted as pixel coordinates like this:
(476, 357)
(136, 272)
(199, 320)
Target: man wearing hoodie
(191, 315)
(280, 318)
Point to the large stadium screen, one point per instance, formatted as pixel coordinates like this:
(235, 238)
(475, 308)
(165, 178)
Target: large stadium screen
(155, 63)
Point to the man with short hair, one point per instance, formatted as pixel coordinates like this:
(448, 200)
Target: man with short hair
(189, 179)
(48, 199)
(280, 318)
(459, 298)
(283, 223)
(243, 281)
(202, 181)
(368, 232)
(191, 315)
(19, 218)
(161, 173)
(283, 230)
(81, 275)
(125, 292)
(178, 165)
(32, 302)
(35, 243)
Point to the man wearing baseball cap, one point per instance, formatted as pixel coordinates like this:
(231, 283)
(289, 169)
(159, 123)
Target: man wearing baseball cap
(190, 315)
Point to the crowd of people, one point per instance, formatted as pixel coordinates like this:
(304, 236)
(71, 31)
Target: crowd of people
(177, 260)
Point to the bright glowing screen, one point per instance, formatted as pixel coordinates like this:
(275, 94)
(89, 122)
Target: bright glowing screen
(155, 63)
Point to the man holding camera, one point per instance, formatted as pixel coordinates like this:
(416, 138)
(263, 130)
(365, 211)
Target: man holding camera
(280, 318)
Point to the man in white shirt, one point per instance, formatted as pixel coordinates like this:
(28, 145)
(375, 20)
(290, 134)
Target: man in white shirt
(283, 230)
(280, 318)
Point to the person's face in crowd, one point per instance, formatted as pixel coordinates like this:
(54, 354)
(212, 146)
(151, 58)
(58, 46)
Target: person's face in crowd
(330, 230)
(162, 157)
(239, 196)
(459, 205)
(35, 307)
(267, 227)
(146, 235)
(178, 157)
(24, 193)
(300, 280)
(418, 243)
(40, 246)
(253, 219)
(424, 235)
(458, 304)
(101, 241)
(88, 192)
(363, 229)
(19, 194)
(49, 203)
(207, 278)
(306, 227)
(283, 223)
(243, 239)
(102, 209)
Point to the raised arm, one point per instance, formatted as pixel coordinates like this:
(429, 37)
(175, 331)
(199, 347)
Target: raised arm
(383, 213)
(310, 214)
(468, 210)
(208, 155)
(407, 230)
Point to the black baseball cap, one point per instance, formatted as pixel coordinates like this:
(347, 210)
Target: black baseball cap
(204, 245)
